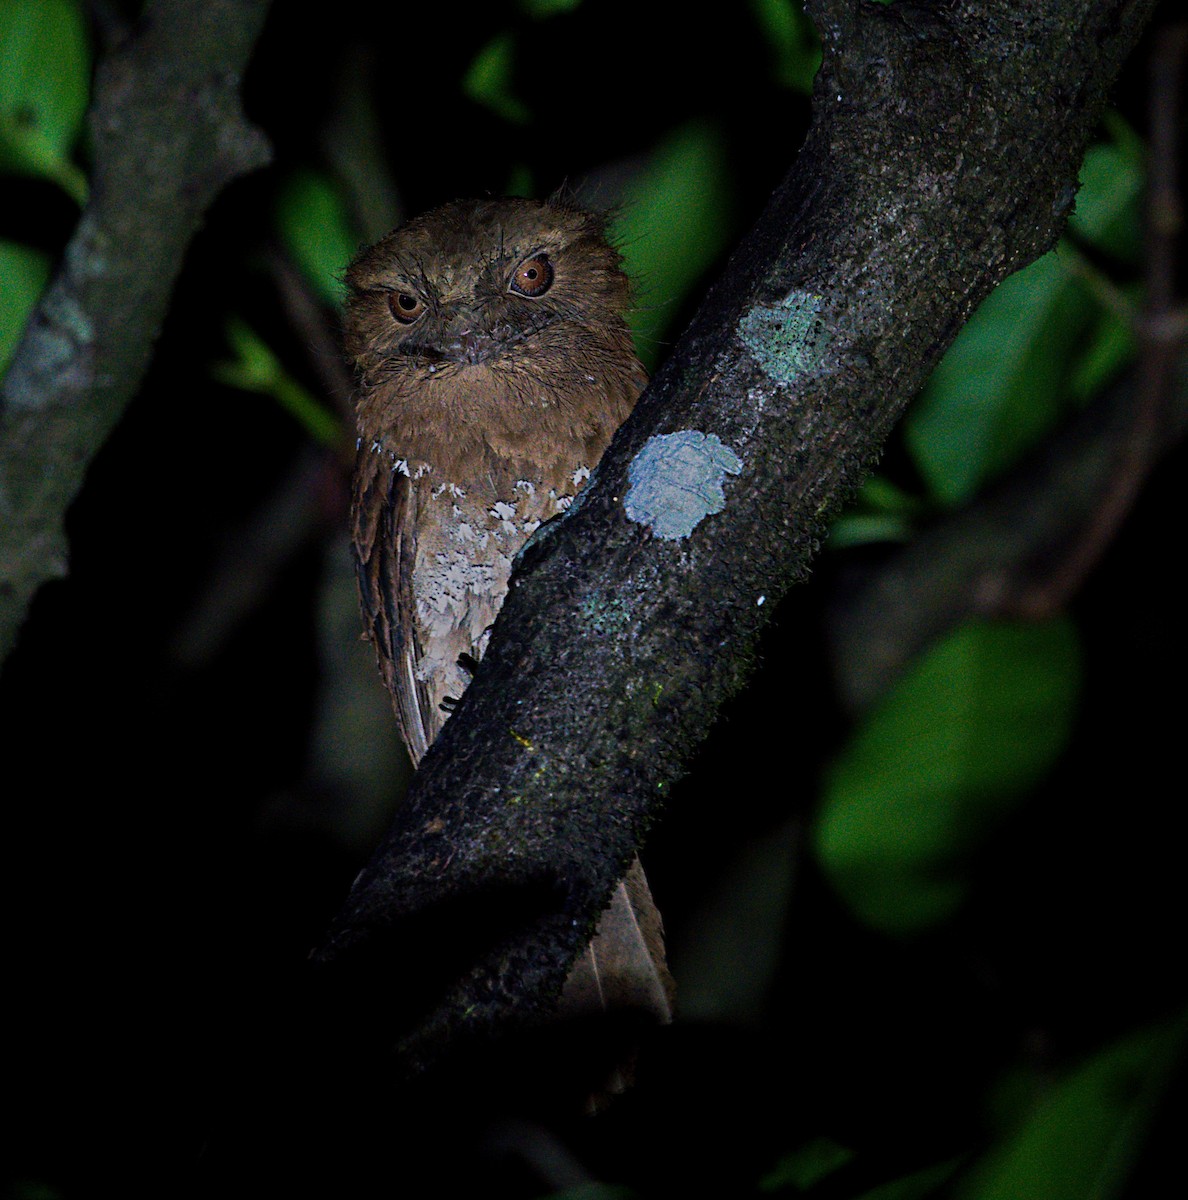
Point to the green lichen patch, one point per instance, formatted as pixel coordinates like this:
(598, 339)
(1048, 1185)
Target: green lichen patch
(788, 338)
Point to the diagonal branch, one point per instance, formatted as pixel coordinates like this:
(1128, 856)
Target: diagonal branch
(943, 155)
(994, 558)
(168, 135)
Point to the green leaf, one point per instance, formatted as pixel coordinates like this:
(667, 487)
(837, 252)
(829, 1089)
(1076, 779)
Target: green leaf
(548, 8)
(673, 224)
(45, 79)
(519, 181)
(1036, 343)
(31, 1189)
(794, 40)
(806, 1166)
(734, 937)
(881, 512)
(1109, 345)
(1081, 1139)
(868, 529)
(1108, 212)
(975, 722)
(317, 231)
(593, 1191)
(999, 389)
(489, 81)
(24, 273)
(915, 1186)
(255, 368)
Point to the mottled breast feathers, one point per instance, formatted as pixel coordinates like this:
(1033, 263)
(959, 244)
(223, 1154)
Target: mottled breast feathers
(494, 364)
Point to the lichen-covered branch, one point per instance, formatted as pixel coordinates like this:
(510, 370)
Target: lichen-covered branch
(942, 156)
(168, 136)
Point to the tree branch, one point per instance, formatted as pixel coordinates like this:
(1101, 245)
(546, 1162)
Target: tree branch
(168, 135)
(995, 557)
(942, 156)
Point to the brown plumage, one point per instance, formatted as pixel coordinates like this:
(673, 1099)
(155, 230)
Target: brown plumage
(494, 364)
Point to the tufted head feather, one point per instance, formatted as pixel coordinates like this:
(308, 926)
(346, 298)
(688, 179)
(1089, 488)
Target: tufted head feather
(490, 323)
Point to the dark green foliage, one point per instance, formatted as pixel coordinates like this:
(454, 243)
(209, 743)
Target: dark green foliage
(928, 949)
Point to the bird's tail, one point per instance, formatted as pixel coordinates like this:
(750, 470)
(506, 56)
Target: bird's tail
(622, 972)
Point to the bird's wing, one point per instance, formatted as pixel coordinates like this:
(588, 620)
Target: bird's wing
(384, 535)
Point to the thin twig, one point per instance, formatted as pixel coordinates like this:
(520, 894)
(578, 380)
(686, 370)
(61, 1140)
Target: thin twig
(1160, 329)
(318, 335)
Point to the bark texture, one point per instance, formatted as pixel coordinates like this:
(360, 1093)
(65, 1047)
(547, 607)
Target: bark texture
(168, 136)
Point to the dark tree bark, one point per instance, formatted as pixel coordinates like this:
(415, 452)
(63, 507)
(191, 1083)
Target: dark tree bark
(943, 156)
(168, 135)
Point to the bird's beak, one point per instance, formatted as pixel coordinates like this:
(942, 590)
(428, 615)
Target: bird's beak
(465, 343)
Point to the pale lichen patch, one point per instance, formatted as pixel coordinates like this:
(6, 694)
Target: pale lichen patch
(786, 339)
(676, 480)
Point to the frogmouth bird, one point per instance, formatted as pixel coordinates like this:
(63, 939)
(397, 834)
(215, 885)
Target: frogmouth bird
(494, 362)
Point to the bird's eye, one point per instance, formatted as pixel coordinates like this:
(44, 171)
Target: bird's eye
(406, 307)
(533, 277)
